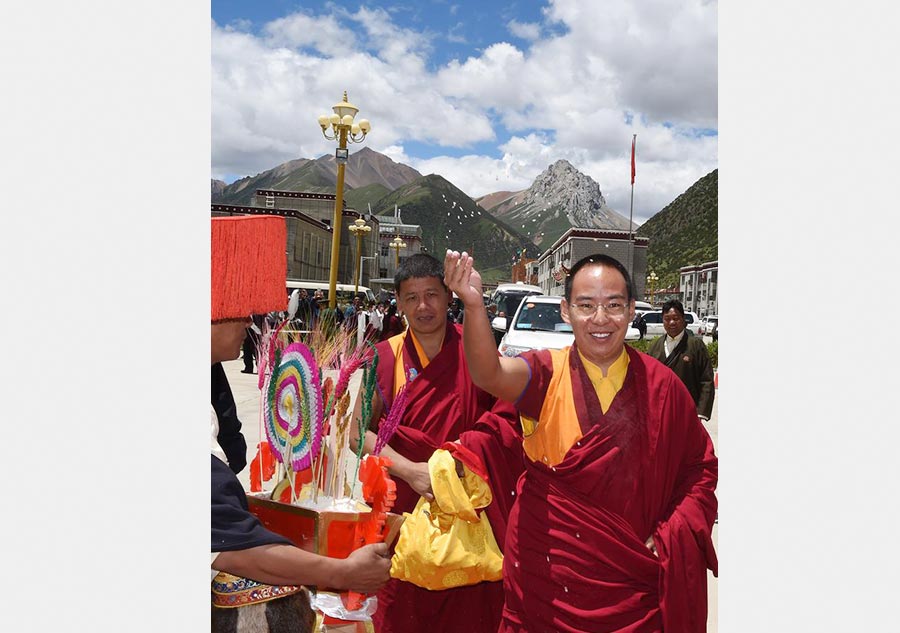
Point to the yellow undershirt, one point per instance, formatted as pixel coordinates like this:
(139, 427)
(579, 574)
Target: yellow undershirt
(607, 386)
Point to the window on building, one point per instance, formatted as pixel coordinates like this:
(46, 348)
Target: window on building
(384, 251)
(382, 272)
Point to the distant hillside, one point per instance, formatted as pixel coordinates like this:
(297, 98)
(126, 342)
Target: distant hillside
(361, 198)
(365, 167)
(450, 219)
(493, 199)
(685, 232)
(242, 191)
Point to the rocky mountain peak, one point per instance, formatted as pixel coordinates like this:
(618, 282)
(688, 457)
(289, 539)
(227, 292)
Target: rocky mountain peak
(577, 195)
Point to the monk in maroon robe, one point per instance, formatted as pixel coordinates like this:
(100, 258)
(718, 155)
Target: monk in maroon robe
(612, 529)
(442, 406)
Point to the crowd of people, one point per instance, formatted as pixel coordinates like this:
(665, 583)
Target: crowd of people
(380, 320)
(602, 473)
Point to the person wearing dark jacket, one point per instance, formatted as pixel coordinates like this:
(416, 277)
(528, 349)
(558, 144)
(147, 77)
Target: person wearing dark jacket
(251, 341)
(640, 325)
(686, 355)
(229, 437)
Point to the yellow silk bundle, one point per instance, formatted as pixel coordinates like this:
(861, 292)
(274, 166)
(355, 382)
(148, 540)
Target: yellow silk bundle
(445, 543)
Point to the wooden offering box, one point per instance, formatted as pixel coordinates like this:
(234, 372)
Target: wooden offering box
(326, 532)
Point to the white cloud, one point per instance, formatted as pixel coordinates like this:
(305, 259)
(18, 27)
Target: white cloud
(525, 30)
(613, 69)
(397, 154)
(324, 34)
(456, 34)
(663, 53)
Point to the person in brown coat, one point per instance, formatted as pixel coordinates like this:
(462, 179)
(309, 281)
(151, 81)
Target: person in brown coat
(686, 355)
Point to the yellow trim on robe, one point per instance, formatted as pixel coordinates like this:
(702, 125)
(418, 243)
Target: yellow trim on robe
(396, 343)
(607, 386)
(559, 430)
(423, 357)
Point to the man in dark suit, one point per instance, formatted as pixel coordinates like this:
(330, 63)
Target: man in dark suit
(686, 355)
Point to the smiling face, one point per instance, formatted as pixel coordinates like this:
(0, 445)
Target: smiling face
(600, 337)
(424, 301)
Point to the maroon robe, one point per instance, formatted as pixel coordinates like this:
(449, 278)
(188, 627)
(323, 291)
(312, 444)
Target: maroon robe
(444, 405)
(575, 558)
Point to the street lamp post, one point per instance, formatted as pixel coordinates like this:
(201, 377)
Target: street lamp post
(397, 244)
(343, 129)
(359, 229)
(651, 281)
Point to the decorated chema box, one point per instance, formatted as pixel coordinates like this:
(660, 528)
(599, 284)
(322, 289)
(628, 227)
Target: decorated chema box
(331, 533)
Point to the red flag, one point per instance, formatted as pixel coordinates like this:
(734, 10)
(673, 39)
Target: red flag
(633, 138)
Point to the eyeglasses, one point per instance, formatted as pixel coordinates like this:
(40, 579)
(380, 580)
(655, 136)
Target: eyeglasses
(588, 309)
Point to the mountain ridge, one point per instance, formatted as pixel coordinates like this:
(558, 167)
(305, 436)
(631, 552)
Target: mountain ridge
(685, 232)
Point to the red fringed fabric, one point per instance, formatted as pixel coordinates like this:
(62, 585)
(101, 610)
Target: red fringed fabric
(249, 265)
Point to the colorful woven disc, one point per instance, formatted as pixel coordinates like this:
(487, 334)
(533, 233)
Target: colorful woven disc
(294, 414)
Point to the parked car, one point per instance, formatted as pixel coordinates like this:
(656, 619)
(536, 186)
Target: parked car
(538, 324)
(708, 324)
(506, 299)
(655, 323)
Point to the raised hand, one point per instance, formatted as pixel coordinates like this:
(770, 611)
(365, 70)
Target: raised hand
(463, 279)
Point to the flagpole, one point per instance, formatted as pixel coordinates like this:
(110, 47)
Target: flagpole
(631, 214)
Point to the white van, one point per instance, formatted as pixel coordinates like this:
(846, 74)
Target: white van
(506, 299)
(344, 291)
(640, 307)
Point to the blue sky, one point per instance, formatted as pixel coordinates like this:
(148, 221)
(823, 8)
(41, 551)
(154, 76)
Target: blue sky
(487, 94)
(457, 28)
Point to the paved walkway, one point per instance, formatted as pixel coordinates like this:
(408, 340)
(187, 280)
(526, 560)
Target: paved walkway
(246, 396)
